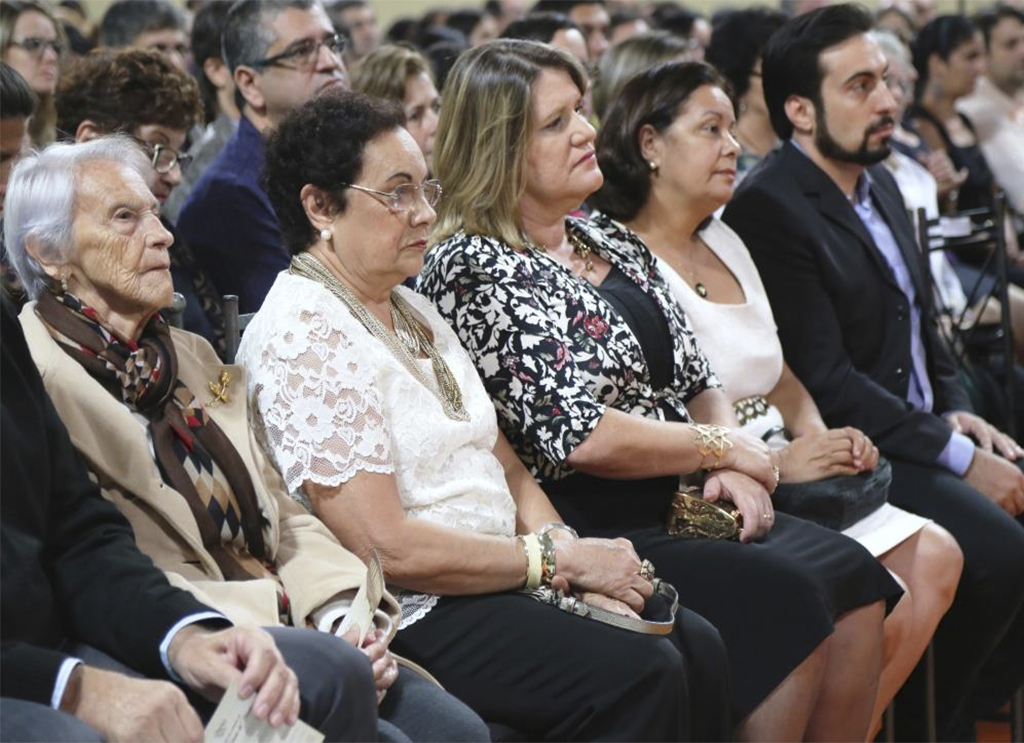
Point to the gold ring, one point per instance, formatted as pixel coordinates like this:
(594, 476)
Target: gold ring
(647, 570)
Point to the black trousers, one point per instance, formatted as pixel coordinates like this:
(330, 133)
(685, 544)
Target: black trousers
(552, 676)
(979, 645)
(335, 688)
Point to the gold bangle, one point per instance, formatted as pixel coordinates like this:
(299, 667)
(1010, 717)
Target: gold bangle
(710, 440)
(548, 566)
(531, 544)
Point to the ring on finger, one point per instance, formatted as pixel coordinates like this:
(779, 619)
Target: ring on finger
(767, 516)
(647, 570)
(778, 474)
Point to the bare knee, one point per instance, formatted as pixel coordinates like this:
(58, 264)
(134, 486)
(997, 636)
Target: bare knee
(940, 561)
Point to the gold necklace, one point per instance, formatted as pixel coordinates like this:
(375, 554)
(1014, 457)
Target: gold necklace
(579, 248)
(408, 341)
(698, 285)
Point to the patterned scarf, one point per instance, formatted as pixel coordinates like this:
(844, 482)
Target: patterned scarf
(193, 455)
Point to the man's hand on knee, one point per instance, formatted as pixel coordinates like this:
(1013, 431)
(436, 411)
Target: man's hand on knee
(999, 480)
(209, 661)
(121, 708)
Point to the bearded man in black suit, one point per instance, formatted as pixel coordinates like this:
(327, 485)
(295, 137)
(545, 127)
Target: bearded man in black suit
(828, 230)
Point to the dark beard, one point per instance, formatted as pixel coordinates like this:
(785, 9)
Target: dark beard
(831, 149)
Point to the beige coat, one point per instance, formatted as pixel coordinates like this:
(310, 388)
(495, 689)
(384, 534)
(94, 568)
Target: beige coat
(311, 564)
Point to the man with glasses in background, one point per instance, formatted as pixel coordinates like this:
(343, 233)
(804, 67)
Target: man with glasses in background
(281, 53)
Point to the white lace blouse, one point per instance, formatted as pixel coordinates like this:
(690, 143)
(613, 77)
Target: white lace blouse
(329, 400)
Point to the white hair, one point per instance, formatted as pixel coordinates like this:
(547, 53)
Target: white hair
(891, 45)
(40, 201)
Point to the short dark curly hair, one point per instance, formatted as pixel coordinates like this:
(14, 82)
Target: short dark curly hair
(122, 90)
(653, 97)
(322, 143)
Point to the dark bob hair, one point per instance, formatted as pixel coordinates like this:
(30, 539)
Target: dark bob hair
(321, 143)
(941, 36)
(737, 40)
(653, 97)
(791, 60)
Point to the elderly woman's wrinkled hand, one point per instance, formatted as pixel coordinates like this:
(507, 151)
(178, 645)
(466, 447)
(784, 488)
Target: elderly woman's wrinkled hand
(609, 567)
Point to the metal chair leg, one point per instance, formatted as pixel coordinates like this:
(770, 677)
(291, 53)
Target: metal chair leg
(929, 702)
(1017, 716)
(889, 723)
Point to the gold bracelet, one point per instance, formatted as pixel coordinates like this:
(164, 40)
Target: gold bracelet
(531, 544)
(548, 566)
(711, 440)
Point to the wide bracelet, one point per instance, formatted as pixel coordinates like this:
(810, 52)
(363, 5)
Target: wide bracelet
(711, 440)
(531, 544)
(557, 526)
(548, 567)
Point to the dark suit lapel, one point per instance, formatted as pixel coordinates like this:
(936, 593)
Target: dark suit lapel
(835, 206)
(895, 216)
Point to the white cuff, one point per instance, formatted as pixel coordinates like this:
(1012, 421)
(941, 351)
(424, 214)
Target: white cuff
(63, 675)
(169, 638)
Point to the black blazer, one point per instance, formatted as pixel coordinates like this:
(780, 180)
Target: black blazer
(843, 320)
(70, 570)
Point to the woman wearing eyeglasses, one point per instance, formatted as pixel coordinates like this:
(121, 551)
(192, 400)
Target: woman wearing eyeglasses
(33, 43)
(141, 93)
(376, 418)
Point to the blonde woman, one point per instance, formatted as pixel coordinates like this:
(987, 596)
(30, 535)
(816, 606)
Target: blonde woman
(635, 54)
(400, 73)
(595, 374)
(33, 43)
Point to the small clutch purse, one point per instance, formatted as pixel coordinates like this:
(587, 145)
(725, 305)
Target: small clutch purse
(692, 516)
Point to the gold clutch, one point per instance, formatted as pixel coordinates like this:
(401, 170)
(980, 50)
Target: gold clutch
(692, 516)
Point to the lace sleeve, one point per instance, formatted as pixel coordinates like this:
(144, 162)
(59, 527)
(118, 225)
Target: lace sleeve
(315, 394)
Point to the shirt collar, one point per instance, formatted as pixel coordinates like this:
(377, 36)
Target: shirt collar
(862, 191)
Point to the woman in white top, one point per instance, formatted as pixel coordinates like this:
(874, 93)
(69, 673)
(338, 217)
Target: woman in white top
(668, 153)
(378, 422)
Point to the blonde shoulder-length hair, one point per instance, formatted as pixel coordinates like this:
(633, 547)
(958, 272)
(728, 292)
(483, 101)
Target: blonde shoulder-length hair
(483, 133)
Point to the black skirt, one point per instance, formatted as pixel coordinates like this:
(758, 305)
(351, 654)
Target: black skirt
(773, 601)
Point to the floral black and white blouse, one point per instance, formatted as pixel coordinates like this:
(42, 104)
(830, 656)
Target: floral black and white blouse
(552, 353)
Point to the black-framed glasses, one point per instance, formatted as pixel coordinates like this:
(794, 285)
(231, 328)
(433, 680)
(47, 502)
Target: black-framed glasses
(403, 198)
(304, 54)
(164, 158)
(37, 47)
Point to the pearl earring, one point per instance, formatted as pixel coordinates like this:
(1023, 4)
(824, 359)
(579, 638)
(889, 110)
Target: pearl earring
(325, 235)
(654, 166)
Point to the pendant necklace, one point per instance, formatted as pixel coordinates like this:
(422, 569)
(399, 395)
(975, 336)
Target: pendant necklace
(698, 285)
(579, 248)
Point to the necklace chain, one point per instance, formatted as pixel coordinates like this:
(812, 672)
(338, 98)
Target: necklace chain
(408, 341)
(579, 248)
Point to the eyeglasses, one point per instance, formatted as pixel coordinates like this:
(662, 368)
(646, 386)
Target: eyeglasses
(403, 198)
(37, 47)
(164, 158)
(304, 54)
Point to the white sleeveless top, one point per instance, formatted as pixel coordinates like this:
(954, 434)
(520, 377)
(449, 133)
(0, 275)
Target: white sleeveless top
(329, 400)
(723, 328)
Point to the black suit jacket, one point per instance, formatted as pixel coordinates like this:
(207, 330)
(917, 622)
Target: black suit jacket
(69, 567)
(844, 322)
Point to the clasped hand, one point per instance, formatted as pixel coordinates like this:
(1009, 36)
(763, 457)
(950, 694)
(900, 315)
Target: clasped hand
(602, 572)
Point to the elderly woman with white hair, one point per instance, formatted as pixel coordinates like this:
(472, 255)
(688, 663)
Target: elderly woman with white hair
(163, 427)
